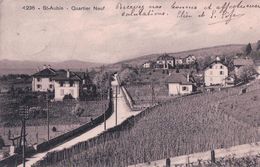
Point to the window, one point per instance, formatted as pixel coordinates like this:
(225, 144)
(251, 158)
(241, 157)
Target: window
(221, 72)
(50, 86)
(210, 66)
(39, 79)
(72, 92)
(61, 84)
(62, 92)
(39, 86)
(185, 88)
(221, 67)
(71, 83)
(50, 79)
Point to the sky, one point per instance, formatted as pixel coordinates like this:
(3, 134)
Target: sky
(107, 37)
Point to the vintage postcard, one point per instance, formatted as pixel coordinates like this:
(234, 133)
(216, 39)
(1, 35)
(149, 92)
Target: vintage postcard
(129, 83)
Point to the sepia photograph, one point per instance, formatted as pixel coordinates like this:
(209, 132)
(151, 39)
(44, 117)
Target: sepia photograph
(129, 83)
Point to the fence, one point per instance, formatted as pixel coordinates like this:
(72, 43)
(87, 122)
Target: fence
(9, 161)
(206, 158)
(129, 99)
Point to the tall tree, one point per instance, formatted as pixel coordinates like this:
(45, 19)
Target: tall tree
(248, 49)
(258, 45)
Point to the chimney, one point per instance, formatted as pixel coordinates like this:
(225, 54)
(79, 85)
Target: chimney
(84, 79)
(49, 66)
(217, 58)
(68, 73)
(44, 66)
(188, 77)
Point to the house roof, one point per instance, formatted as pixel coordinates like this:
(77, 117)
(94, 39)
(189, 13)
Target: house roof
(165, 57)
(243, 62)
(214, 62)
(62, 76)
(178, 78)
(47, 72)
(150, 61)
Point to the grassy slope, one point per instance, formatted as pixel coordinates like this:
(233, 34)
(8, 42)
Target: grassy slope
(183, 126)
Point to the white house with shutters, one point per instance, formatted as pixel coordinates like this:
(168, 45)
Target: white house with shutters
(215, 74)
(61, 82)
(42, 81)
(67, 83)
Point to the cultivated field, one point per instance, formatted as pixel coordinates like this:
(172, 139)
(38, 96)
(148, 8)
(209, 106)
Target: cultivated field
(182, 126)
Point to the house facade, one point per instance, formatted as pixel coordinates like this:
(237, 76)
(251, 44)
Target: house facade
(42, 81)
(215, 74)
(178, 61)
(148, 64)
(67, 83)
(61, 82)
(165, 62)
(190, 59)
(178, 84)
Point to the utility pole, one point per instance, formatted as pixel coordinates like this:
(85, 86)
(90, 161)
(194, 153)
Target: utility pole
(24, 113)
(153, 94)
(24, 131)
(48, 120)
(104, 108)
(116, 105)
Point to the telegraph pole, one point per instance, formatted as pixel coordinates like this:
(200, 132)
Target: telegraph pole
(104, 108)
(24, 131)
(153, 94)
(116, 105)
(48, 120)
(24, 113)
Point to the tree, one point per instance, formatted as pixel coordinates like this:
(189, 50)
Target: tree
(258, 45)
(244, 73)
(2, 143)
(248, 49)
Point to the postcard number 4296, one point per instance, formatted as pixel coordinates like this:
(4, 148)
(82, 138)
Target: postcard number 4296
(28, 7)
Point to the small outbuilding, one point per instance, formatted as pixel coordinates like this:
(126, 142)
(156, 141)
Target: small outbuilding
(179, 84)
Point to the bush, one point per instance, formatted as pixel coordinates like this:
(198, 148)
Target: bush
(54, 129)
(68, 97)
(2, 143)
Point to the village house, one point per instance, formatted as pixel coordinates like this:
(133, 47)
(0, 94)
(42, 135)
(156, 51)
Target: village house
(189, 59)
(165, 62)
(241, 62)
(148, 64)
(179, 84)
(178, 61)
(215, 73)
(67, 83)
(61, 82)
(42, 81)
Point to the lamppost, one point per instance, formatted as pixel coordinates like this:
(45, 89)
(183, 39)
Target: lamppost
(24, 113)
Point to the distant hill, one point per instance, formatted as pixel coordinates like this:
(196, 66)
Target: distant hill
(199, 53)
(30, 67)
